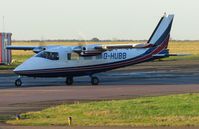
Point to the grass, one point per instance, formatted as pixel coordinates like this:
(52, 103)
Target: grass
(17, 60)
(184, 47)
(4, 117)
(173, 110)
(188, 57)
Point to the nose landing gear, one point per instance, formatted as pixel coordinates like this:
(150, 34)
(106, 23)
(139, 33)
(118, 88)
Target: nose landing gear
(18, 82)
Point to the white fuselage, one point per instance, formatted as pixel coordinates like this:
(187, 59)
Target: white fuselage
(37, 64)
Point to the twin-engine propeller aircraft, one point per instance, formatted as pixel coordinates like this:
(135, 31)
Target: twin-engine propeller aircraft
(87, 60)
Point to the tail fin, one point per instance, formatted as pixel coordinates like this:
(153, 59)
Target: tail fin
(162, 31)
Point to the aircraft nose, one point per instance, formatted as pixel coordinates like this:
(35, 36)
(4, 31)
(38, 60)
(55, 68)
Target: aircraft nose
(16, 69)
(30, 66)
(26, 66)
(19, 69)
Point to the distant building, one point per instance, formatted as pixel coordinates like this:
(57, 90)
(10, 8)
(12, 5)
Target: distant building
(5, 55)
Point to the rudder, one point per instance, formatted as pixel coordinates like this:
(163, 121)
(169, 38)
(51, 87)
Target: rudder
(162, 30)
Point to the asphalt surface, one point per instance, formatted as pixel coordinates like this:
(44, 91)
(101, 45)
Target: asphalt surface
(149, 79)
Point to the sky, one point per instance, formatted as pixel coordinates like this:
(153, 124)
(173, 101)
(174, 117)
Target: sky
(105, 19)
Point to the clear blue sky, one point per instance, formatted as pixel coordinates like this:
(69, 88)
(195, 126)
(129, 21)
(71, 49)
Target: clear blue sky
(106, 19)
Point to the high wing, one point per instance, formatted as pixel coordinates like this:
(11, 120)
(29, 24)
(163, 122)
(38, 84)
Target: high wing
(35, 49)
(123, 46)
(21, 47)
(95, 49)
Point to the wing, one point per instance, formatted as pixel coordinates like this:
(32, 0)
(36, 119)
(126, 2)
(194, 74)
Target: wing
(96, 49)
(21, 47)
(35, 49)
(123, 46)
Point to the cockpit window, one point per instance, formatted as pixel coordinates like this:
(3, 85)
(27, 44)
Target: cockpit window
(49, 55)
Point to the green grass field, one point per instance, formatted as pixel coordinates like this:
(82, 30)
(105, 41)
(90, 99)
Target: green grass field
(17, 60)
(173, 110)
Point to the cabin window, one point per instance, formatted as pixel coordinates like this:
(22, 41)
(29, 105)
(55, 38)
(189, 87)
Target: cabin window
(99, 57)
(87, 57)
(73, 56)
(49, 55)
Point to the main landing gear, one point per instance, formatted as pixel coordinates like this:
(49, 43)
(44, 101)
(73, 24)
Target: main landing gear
(18, 82)
(94, 80)
(69, 80)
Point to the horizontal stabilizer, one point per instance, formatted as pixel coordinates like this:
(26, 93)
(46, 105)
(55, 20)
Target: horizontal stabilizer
(179, 54)
(168, 55)
(161, 55)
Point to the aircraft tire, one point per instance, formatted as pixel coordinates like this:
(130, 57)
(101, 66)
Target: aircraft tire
(94, 81)
(69, 80)
(18, 83)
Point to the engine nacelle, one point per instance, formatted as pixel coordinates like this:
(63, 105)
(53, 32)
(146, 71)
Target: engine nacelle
(88, 50)
(38, 49)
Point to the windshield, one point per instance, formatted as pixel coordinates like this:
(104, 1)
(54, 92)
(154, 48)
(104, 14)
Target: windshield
(49, 55)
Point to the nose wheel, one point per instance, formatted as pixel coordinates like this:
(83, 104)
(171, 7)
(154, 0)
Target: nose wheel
(69, 80)
(18, 82)
(94, 80)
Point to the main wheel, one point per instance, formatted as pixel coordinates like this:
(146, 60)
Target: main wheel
(69, 80)
(94, 81)
(18, 83)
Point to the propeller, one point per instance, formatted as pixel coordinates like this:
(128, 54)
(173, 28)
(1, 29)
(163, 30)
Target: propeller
(41, 46)
(81, 45)
(42, 42)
